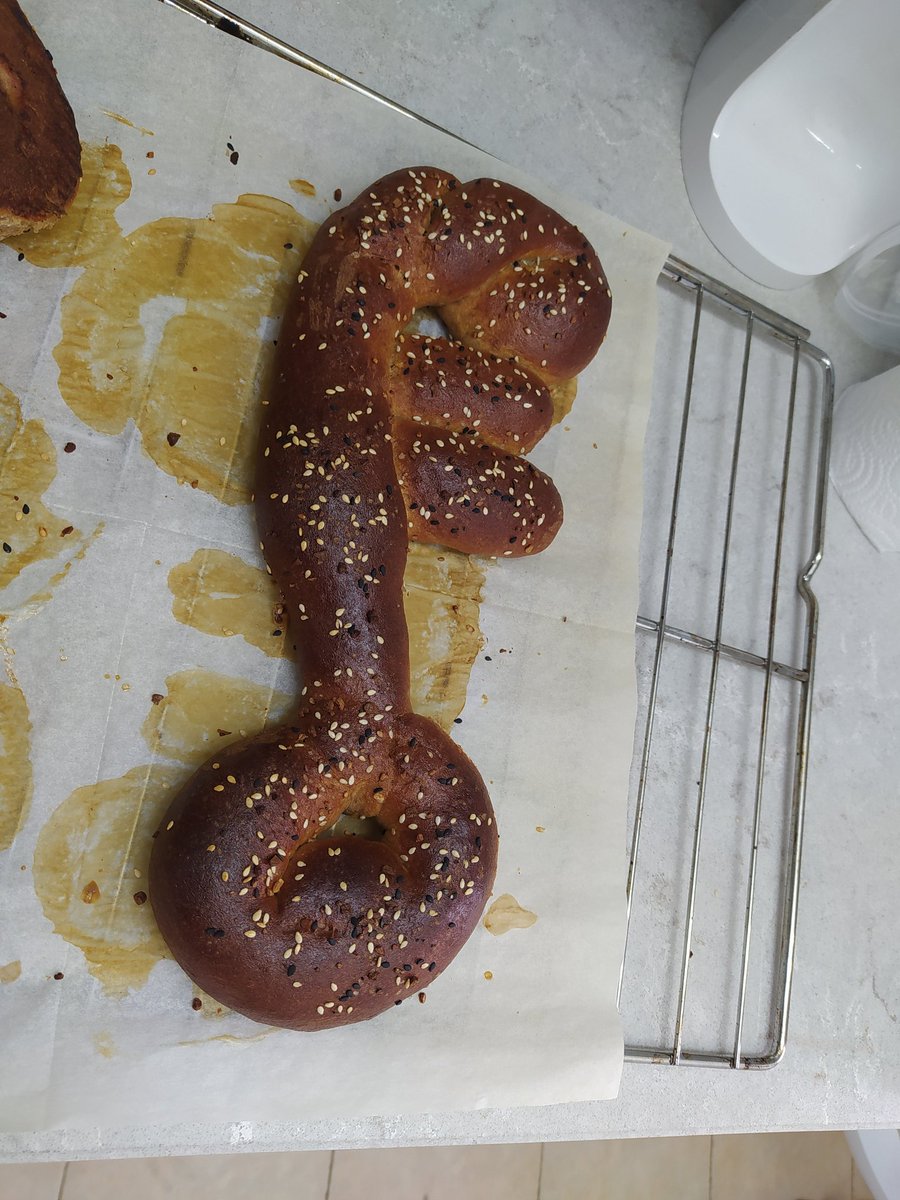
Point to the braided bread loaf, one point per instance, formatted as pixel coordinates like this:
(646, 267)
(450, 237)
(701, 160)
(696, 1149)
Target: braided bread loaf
(372, 437)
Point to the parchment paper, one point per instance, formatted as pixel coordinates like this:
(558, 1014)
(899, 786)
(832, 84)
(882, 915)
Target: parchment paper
(554, 740)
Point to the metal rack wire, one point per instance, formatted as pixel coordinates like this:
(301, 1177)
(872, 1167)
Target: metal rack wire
(753, 321)
(755, 984)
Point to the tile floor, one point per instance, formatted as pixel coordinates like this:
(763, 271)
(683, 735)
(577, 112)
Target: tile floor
(805, 1166)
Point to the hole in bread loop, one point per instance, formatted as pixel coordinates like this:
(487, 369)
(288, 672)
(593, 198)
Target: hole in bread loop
(350, 825)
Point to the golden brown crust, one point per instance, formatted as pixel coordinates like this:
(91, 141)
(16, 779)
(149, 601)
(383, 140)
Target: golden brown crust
(372, 437)
(40, 155)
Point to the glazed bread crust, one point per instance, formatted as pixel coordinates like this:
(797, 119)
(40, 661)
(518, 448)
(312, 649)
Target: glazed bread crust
(372, 437)
(40, 155)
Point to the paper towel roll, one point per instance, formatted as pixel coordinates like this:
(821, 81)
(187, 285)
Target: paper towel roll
(865, 457)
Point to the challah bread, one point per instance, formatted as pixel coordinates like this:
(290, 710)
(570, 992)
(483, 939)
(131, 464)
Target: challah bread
(40, 155)
(371, 437)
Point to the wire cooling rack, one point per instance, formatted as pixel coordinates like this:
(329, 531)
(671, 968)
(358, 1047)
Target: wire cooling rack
(736, 468)
(733, 534)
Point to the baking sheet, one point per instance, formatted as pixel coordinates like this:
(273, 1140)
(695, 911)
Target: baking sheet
(90, 639)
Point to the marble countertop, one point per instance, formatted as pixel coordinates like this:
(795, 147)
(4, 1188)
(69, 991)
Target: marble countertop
(588, 94)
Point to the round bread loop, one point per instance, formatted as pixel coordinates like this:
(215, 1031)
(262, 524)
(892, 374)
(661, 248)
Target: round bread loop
(373, 437)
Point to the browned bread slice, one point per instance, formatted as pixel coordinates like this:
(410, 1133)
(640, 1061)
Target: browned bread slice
(40, 155)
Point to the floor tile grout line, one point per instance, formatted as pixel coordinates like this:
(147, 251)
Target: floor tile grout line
(330, 1171)
(62, 1182)
(540, 1172)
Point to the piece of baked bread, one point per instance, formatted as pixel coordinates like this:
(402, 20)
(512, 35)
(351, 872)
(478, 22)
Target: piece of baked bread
(40, 155)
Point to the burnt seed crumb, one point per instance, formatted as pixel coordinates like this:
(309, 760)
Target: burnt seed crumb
(233, 158)
(173, 438)
(7, 548)
(291, 968)
(196, 1004)
(68, 447)
(20, 256)
(58, 975)
(140, 898)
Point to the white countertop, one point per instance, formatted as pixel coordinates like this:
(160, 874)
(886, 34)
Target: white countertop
(588, 94)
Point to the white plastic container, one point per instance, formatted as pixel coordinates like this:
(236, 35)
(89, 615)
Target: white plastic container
(869, 297)
(790, 141)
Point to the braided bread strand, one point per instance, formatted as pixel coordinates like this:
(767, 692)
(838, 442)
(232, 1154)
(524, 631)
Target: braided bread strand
(373, 437)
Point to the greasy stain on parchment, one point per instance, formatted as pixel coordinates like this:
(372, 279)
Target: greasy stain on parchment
(507, 913)
(104, 1045)
(10, 971)
(203, 711)
(220, 594)
(102, 835)
(172, 326)
(90, 864)
(90, 225)
(114, 116)
(27, 468)
(303, 186)
(230, 1038)
(563, 397)
(16, 782)
(442, 598)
